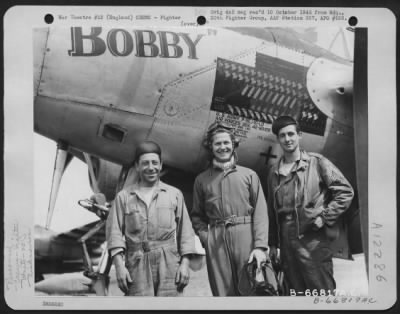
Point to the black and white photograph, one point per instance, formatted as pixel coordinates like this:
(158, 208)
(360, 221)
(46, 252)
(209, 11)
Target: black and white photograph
(194, 154)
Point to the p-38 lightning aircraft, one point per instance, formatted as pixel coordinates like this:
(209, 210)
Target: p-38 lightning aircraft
(99, 91)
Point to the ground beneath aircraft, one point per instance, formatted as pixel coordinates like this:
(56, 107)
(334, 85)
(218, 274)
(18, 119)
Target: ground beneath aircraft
(350, 278)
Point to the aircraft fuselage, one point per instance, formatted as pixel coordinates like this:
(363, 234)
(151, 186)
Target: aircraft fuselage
(104, 90)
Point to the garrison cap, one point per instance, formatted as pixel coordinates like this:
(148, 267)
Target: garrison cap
(147, 147)
(282, 122)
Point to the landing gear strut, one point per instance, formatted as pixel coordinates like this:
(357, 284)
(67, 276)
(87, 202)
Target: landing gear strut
(100, 278)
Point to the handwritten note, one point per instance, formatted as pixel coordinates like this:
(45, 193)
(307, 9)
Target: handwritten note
(378, 253)
(344, 299)
(18, 257)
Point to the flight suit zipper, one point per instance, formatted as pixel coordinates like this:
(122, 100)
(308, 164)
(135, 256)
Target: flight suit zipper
(295, 209)
(295, 204)
(226, 236)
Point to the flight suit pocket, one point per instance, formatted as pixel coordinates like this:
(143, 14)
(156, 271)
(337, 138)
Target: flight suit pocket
(133, 221)
(133, 258)
(174, 251)
(212, 203)
(166, 217)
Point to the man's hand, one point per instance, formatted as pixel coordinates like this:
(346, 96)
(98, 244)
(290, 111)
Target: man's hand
(259, 255)
(182, 274)
(273, 254)
(123, 276)
(318, 222)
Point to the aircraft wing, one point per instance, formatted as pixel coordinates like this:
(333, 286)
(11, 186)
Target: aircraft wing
(289, 37)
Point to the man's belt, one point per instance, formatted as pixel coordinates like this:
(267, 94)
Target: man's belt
(232, 220)
(147, 246)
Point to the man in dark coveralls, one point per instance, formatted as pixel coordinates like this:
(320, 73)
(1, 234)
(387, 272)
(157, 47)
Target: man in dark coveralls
(150, 228)
(229, 213)
(306, 196)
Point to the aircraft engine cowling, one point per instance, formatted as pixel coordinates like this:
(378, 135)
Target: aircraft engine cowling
(332, 93)
(106, 175)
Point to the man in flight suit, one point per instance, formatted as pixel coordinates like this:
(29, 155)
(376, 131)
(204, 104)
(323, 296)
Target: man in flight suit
(150, 228)
(306, 196)
(229, 213)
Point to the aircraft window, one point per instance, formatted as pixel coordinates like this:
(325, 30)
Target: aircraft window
(113, 133)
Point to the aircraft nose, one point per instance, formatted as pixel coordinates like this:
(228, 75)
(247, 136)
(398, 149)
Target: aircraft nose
(332, 93)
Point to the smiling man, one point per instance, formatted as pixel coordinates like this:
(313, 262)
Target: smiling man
(306, 196)
(149, 227)
(229, 213)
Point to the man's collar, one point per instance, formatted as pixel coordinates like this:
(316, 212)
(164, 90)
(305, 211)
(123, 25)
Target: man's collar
(225, 166)
(302, 162)
(160, 186)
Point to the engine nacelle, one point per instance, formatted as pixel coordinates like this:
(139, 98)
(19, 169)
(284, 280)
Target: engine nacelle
(107, 175)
